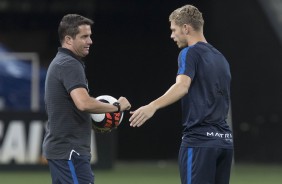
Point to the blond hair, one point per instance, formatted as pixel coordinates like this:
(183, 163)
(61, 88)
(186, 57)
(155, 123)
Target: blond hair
(188, 14)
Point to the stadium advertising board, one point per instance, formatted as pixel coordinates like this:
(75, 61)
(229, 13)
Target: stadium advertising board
(21, 136)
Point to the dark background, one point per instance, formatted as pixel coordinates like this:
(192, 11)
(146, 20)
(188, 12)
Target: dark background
(133, 56)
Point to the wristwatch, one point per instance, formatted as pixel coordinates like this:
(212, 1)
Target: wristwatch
(117, 104)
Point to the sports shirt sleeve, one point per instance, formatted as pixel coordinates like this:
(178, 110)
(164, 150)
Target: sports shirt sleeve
(73, 76)
(187, 62)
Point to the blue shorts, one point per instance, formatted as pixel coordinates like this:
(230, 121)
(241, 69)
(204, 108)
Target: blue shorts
(200, 165)
(77, 170)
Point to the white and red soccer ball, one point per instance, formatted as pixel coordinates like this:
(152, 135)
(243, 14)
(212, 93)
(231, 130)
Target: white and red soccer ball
(105, 122)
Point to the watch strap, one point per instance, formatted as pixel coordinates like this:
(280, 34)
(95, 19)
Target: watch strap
(117, 104)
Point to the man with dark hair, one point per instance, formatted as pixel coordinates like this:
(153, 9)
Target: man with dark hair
(203, 85)
(67, 140)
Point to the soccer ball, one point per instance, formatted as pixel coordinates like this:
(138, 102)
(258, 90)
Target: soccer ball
(106, 122)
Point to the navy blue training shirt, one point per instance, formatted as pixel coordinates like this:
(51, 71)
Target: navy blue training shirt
(205, 106)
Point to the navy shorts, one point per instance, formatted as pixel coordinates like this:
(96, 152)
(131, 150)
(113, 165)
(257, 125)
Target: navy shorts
(200, 165)
(77, 170)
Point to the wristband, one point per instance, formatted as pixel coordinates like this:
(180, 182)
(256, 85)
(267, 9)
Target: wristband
(117, 104)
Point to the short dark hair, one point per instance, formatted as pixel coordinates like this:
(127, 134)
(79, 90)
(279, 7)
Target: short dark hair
(70, 23)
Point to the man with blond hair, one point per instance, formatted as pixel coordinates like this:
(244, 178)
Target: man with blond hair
(203, 85)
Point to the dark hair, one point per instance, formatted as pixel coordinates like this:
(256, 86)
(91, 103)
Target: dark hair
(70, 23)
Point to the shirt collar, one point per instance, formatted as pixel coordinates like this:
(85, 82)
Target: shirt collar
(69, 52)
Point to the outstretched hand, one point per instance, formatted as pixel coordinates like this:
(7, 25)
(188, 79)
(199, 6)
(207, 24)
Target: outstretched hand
(141, 115)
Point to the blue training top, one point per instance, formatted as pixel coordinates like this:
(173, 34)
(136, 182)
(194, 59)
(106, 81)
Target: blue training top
(205, 107)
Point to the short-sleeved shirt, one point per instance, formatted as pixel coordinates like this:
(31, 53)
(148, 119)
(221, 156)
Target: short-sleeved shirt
(67, 128)
(205, 106)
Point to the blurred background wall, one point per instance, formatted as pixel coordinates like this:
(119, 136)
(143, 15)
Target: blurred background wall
(133, 56)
